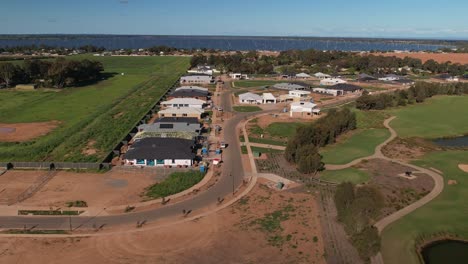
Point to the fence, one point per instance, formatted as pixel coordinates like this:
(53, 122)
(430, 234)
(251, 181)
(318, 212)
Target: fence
(54, 165)
(155, 108)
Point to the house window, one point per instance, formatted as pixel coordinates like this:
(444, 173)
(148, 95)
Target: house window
(184, 115)
(140, 162)
(174, 115)
(160, 162)
(173, 161)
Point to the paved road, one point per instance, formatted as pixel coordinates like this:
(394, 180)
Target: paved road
(233, 175)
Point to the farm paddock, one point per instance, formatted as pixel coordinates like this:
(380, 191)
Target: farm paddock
(20, 132)
(93, 118)
(238, 233)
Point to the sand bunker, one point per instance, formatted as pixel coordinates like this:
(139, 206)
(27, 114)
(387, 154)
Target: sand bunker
(21, 132)
(463, 167)
(452, 182)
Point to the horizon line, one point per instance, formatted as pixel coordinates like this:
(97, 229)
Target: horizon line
(249, 36)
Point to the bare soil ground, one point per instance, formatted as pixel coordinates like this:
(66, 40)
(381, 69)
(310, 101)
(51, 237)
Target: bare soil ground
(397, 191)
(13, 183)
(407, 149)
(20, 132)
(461, 58)
(264, 227)
(116, 187)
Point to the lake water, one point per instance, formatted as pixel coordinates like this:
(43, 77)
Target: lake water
(446, 252)
(218, 42)
(452, 142)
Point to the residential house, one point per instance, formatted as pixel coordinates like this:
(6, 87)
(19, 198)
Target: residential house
(182, 112)
(268, 98)
(188, 128)
(303, 75)
(289, 86)
(322, 76)
(299, 94)
(329, 91)
(390, 78)
(347, 88)
(189, 93)
(203, 69)
(184, 102)
(191, 88)
(197, 79)
(250, 98)
(158, 152)
(362, 77)
(303, 109)
(239, 76)
(447, 77)
(331, 81)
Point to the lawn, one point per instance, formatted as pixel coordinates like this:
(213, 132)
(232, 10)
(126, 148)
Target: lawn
(441, 116)
(247, 108)
(267, 141)
(447, 213)
(252, 83)
(97, 116)
(350, 174)
(282, 129)
(265, 150)
(175, 183)
(357, 144)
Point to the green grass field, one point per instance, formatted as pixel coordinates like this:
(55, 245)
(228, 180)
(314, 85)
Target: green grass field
(350, 174)
(282, 129)
(265, 150)
(175, 183)
(252, 83)
(267, 141)
(247, 108)
(441, 116)
(447, 213)
(96, 116)
(359, 144)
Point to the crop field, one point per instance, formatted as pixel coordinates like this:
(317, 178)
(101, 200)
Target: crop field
(441, 116)
(445, 215)
(360, 144)
(92, 118)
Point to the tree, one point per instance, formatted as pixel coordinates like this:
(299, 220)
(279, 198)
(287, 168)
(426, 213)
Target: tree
(310, 161)
(7, 72)
(344, 197)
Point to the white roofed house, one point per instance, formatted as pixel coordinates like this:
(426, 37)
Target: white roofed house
(329, 91)
(321, 76)
(181, 112)
(331, 81)
(239, 76)
(184, 102)
(268, 98)
(390, 78)
(250, 98)
(197, 79)
(299, 94)
(303, 75)
(303, 109)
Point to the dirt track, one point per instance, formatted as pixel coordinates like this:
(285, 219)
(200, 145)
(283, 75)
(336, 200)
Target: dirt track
(21, 132)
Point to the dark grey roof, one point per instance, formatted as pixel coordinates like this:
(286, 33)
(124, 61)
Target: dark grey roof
(188, 120)
(444, 76)
(188, 93)
(404, 80)
(346, 87)
(366, 77)
(161, 148)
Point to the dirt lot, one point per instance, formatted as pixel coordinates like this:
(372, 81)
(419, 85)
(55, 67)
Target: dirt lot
(116, 187)
(21, 132)
(398, 191)
(439, 57)
(264, 227)
(407, 149)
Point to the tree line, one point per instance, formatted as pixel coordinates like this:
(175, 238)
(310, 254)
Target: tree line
(303, 148)
(417, 93)
(358, 208)
(296, 61)
(59, 73)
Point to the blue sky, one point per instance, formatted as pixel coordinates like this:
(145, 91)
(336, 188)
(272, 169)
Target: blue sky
(346, 18)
